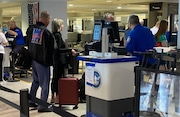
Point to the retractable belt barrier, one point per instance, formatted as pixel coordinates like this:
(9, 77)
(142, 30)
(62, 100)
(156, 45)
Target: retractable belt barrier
(24, 102)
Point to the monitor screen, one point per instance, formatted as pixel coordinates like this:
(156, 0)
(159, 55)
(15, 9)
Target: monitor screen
(97, 31)
(113, 31)
(172, 39)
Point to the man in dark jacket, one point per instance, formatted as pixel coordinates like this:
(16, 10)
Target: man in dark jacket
(41, 47)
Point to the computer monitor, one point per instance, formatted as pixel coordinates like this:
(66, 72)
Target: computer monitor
(172, 39)
(97, 32)
(113, 31)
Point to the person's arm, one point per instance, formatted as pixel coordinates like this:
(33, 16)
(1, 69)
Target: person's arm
(4, 40)
(73, 52)
(11, 32)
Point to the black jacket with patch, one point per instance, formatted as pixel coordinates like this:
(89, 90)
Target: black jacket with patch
(40, 44)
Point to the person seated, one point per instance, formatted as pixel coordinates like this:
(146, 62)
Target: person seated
(17, 34)
(18, 43)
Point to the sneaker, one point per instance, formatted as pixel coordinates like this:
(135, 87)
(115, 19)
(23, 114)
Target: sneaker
(33, 105)
(82, 101)
(43, 110)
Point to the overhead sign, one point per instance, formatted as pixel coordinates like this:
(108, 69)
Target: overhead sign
(33, 12)
(155, 6)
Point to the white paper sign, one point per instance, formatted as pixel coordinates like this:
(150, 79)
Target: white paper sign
(89, 73)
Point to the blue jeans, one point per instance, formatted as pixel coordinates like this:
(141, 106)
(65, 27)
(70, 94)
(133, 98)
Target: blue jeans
(41, 77)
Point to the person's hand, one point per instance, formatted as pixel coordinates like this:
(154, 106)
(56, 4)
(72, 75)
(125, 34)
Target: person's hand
(4, 30)
(6, 44)
(73, 52)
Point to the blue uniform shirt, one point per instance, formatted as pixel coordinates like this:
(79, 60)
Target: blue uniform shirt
(19, 39)
(140, 39)
(126, 33)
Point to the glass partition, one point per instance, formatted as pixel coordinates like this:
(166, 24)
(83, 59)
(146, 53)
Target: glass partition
(157, 93)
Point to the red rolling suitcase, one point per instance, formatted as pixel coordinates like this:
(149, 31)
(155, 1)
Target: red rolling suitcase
(68, 92)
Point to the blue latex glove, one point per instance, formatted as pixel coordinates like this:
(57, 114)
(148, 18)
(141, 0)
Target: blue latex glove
(4, 30)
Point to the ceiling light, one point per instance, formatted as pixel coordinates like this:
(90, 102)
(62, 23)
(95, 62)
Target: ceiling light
(108, 0)
(119, 7)
(93, 9)
(70, 5)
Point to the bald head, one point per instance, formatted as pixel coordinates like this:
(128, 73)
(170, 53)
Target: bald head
(45, 18)
(133, 21)
(109, 17)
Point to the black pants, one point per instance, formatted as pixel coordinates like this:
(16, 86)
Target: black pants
(58, 72)
(15, 51)
(1, 68)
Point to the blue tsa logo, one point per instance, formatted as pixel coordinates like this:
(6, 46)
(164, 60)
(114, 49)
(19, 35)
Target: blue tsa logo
(97, 79)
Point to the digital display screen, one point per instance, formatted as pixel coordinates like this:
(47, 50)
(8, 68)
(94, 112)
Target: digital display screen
(97, 32)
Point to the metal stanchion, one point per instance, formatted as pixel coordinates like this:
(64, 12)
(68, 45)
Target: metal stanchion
(24, 103)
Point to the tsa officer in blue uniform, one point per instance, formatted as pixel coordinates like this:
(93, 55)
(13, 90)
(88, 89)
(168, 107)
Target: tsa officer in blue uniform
(16, 32)
(140, 38)
(19, 42)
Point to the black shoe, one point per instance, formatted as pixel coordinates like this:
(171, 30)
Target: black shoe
(32, 105)
(43, 110)
(82, 101)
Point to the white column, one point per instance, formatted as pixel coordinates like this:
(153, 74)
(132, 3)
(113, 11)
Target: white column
(24, 17)
(57, 9)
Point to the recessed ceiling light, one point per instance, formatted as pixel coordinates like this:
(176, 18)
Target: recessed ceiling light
(70, 5)
(119, 7)
(108, 0)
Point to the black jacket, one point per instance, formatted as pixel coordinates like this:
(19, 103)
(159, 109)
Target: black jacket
(40, 44)
(59, 56)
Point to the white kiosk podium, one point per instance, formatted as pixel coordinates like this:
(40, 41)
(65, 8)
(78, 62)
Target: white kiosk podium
(109, 85)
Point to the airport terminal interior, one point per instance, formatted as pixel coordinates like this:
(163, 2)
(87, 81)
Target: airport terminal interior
(114, 85)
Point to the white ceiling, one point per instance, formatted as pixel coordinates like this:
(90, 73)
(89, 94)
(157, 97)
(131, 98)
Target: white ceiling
(12, 7)
(84, 6)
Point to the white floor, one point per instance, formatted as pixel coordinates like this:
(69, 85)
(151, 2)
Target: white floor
(8, 111)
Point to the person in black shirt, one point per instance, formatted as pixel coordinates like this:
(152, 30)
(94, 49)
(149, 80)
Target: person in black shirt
(59, 58)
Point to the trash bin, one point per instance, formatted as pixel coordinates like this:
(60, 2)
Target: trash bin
(148, 114)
